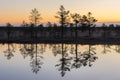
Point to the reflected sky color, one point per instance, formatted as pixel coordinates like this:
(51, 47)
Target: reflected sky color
(15, 11)
(106, 67)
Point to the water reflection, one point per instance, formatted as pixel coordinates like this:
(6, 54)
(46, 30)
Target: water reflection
(106, 48)
(64, 61)
(9, 51)
(85, 58)
(77, 57)
(36, 61)
(27, 50)
(33, 51)
(117, 48)
(69, 56)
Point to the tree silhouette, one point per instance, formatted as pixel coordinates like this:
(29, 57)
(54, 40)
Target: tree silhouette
(91, 20)
(24, 24)
(49, 24)
(88, 21)
(84, 20)
(8, 25)
(63, 17)
(35, 16)
(76, 18)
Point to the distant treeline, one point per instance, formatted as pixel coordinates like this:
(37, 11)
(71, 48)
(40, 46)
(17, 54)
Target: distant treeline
(55, 35)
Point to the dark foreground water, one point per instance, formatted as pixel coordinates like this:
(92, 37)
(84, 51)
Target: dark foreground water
(59, 62)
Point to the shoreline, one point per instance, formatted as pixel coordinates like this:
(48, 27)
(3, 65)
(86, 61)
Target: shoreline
(52, 35)
(82, 41)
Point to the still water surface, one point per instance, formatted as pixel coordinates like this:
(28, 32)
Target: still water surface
(59, 62)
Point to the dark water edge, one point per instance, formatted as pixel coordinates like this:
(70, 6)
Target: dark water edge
(66, 41)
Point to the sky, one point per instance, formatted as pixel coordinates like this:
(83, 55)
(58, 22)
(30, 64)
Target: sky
(17, 11)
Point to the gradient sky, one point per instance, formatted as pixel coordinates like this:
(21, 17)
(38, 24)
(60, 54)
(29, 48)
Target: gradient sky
(15, 11)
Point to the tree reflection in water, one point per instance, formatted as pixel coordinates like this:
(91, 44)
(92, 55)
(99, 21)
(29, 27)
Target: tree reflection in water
(9, 52)
(117, 48)
(77, 59)
(80, 59)
(88, 57)
(42, 48)
(33, 51)
(27, 50)
(65, 61)
(72, 49)
(85, 58)
(36, 61)
(56, 49)
(106, 48)
(70, 57)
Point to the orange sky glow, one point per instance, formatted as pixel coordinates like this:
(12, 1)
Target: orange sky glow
(17, 11)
